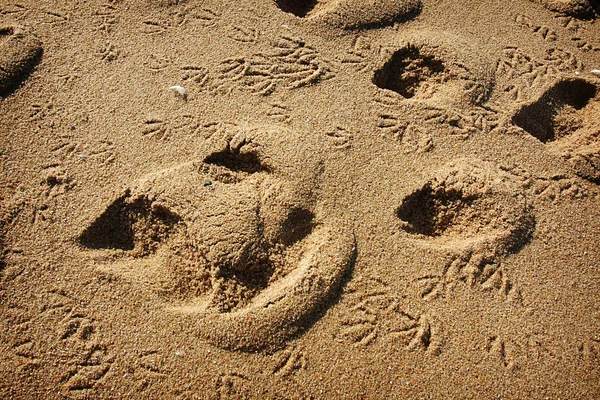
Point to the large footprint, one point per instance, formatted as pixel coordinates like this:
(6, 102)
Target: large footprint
(439, 69)
(351, 14)
(237, 240)
(565, 119)
(19, 54)
(468, 205)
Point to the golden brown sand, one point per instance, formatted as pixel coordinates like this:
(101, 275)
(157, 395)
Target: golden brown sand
(209, 199)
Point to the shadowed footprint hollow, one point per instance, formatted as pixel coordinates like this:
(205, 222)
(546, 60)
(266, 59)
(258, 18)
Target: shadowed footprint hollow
(550, 117)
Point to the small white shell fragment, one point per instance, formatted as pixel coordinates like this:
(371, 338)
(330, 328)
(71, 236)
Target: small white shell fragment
(179, 90)
(595, 72)
(577, 73)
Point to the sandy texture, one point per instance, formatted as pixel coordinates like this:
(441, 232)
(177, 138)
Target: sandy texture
(285, 199)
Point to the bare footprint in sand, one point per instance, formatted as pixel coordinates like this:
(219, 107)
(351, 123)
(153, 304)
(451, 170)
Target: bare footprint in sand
(585, 9)
(566, 117)
(20, 52)
(351, 14)
(432, 67)
(472, 212)
(236, 241)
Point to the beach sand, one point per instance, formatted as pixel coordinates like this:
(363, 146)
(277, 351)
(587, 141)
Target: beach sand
(216, 199)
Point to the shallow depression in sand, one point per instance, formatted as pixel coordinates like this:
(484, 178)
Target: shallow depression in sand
(468, 202)
(554, 115)
(407, 70)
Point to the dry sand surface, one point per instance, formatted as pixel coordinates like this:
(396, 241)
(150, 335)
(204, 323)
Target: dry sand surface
(296, 199)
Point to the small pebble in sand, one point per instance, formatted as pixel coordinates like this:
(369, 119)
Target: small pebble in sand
(207, 183)
(595, 72)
